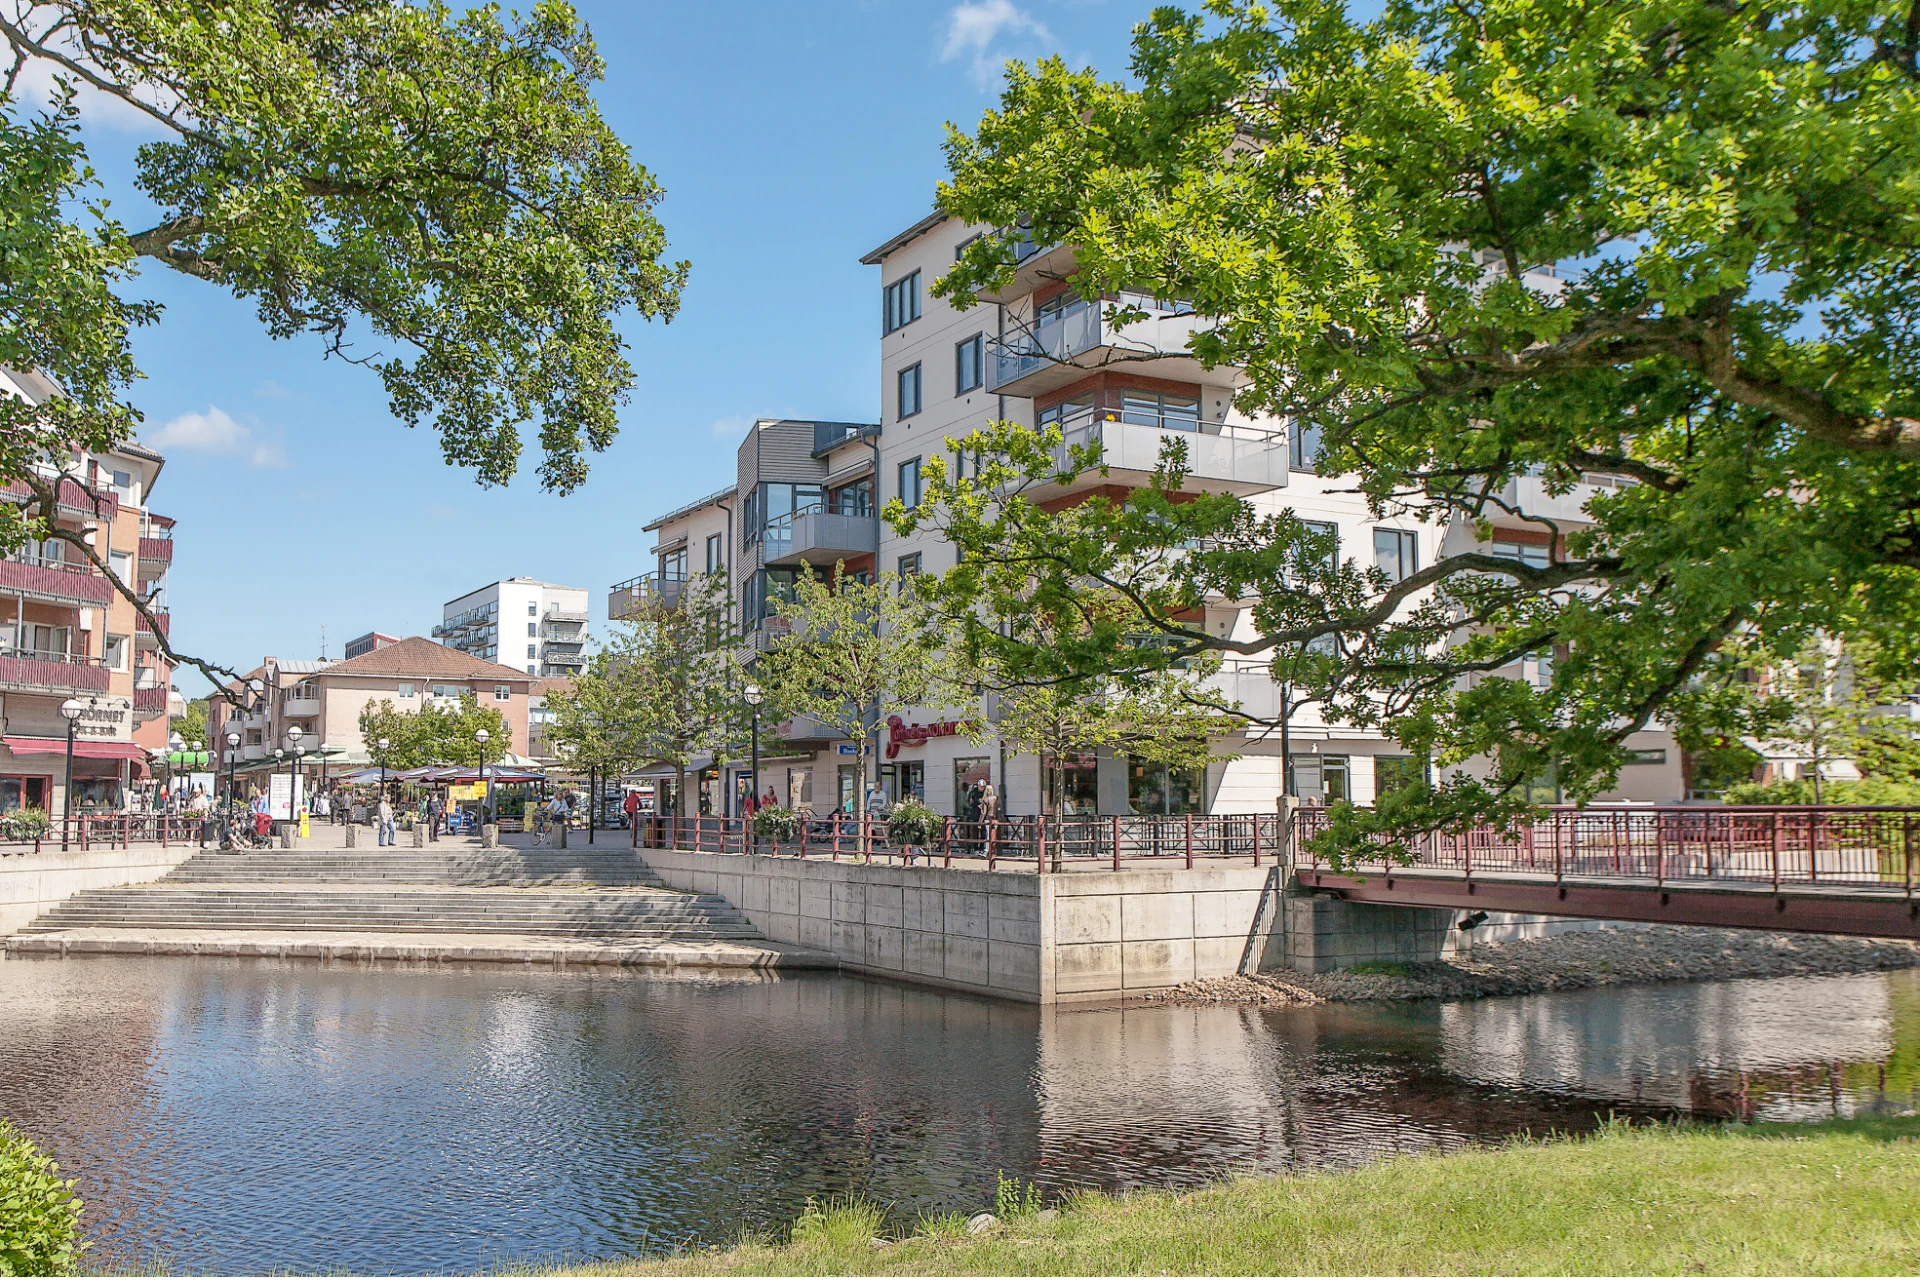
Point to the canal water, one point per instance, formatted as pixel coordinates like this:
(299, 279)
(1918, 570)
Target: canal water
(246, 1116)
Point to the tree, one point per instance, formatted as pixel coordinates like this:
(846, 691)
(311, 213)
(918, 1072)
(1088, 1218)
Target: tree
(1464, 244)
(440, 182)
(666, 688)
(192, 727)
(853, 653)
(435, 734)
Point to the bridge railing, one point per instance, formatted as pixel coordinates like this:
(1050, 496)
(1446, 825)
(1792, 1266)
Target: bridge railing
(1868, 846)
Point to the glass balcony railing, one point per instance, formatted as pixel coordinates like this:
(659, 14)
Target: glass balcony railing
(1232, 459)
(817, 535)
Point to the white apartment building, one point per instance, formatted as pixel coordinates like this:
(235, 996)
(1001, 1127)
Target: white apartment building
(1036, 354)
(488, 624)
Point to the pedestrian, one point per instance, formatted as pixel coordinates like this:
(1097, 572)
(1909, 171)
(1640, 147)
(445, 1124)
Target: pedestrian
(970, 810)
(384, 815)
(770, 800)
(632, 807)
(436, 813)
(989, 810)
(557, 818)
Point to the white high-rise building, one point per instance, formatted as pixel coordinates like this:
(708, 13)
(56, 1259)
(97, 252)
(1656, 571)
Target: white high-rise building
(534, 626)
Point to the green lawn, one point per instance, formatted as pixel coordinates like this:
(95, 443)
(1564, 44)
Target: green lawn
(1829, 1199)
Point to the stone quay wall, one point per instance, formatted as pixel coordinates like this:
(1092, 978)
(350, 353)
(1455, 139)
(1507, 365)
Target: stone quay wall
(33, 883)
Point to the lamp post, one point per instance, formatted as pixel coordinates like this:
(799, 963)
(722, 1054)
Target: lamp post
(324, 749)
(754, 698)
(480, 736)
(71, 709)
(174, 744)
(294, 734)
(226, 810)
(382, 744)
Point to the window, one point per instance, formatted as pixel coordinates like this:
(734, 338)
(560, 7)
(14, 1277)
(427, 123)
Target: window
(1537, 669)
(453, 691)
(1151, 409)
(1651, 755)
(909, 391)
(765, 590)
(533, 629)
(1073, 782)
(533, 609)
(1058, 307)
(966, 364)
(1534, 556)
(503, 693)
(532, 651)
(673, 565)
(1153, 787)
(116, 655)
(1331, 531)
(121, 563)
(909, 490)
(775, 504)
(900, 303)
(1303, 443)
(960, 249)
(716, 552)
(910, 565)
(1396, 773)
(855, 499)
(1060, 414)
(1396, 553)
(404, 691)
(530, 669)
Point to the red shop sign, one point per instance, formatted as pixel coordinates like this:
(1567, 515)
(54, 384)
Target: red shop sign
(901, 734)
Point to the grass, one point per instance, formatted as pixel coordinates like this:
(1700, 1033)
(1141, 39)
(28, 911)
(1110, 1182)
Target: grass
(1837, 1198)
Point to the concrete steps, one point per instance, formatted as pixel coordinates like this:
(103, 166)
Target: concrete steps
(459, 866)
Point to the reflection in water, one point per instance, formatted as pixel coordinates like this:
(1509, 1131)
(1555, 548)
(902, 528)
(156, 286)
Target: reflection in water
(253, 1115)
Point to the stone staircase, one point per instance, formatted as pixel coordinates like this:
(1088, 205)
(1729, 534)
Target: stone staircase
(608, 898)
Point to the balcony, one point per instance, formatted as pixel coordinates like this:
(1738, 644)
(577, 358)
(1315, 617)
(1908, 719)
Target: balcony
(575, 616)
(34, 671)
(143, 627)
(148, 703)
(1237, 460)
(156, 550)
(1251, 685)
(818, 536)
(806, 729)
(301, 708)
(1034, 265)
(1064, 350)
(53, 581)
(770, 632)
(72, 499)
(1529, 494)
(575, 660)
(637, 597)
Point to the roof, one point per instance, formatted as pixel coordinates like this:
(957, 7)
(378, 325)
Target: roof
(507, 582)
(550, 684)
(689, 509)
(133, 448)
(303, 666)
(913, 232)
(421, 657)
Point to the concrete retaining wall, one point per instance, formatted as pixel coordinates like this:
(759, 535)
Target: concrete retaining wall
(1069, 938)
(32, 883)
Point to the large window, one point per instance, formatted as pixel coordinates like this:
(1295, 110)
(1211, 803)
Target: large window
(1303, 443)
(1396, 773)
(909, 391)
(1155, 788)
(716, 552)
(673, 565)
(966, 364)
(909, 488)
(773, 503)
(1075, 786)
(855, 499)
(1058, 307)
(1533, 555)
(763, 591)
(909, 565)
(1152, 409)
(1065, 411)
(900, 303)
(1396, 552)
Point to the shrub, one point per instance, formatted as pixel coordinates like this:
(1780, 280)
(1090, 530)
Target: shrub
(1833, 791)
(39, 1214)
(912, 822)
(24, 824)
(780, 824)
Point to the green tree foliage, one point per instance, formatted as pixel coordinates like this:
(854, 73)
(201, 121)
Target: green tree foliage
(1368, 212)
(853, 653)
(430, 191)
(665, 688)
(39, 1214)
(192, 727)
(435, 734)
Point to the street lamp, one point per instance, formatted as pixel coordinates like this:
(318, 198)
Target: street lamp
(174, 745)
(71, 709)
(486, 792)
(324, 749)
(293, 792)
(233, 749)
(382, 744)
(754, 698)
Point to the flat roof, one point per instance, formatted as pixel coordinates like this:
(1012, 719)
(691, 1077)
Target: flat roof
(913, 232)
(508, 582)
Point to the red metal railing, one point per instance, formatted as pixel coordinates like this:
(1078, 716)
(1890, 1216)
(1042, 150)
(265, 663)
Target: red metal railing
(159, 550)
(110, 831)
(77, 583)
(1795, 845)
(72, 498)
(53, 672)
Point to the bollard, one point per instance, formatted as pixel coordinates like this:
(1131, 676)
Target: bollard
(489, 835)
(286, 836)
(352, 835)
(419, 836)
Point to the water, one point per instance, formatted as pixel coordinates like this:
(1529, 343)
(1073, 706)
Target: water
(247, 1116)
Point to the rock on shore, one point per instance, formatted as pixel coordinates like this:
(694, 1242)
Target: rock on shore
(1599, 958)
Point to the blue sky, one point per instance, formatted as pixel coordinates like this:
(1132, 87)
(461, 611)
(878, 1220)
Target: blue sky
(791, 138)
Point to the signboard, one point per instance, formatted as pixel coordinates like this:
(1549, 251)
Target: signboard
(846, 749)
(102, 716)
(901, 734)
(283, 797)
(202, 781)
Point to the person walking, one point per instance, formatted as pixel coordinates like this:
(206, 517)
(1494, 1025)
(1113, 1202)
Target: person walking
(989, 812)
(557, 818)
(384, 815)
(436, 814)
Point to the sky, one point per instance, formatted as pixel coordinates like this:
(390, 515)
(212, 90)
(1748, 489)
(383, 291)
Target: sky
(790, 139)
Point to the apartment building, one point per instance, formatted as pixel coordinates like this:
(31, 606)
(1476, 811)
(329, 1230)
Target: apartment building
(324, 701)
(486, 624)
(65, 633)
(1037, 354)
(368, 643)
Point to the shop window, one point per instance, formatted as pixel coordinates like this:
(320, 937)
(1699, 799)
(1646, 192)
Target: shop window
(1072, 791)
(966, 773)
(1396, 773)
(1155, 788)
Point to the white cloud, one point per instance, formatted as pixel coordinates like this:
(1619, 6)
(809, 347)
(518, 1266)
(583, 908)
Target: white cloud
(974, 28)
(271, 390)
(39, 83)
(733, 427)
(216, 432)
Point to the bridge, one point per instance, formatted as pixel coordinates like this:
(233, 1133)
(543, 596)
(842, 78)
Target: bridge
(1845, 870)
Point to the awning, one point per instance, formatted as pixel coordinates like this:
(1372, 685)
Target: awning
(694, 765)
(83, 748)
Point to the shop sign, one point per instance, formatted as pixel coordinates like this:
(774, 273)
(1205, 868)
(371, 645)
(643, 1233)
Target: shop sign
(901, 734)
(846, 749)
(103, 717)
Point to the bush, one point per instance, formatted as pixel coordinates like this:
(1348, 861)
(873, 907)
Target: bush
(912, 822)
(778, 824)
(1837, 791)
(24, 824)
(39, 1214)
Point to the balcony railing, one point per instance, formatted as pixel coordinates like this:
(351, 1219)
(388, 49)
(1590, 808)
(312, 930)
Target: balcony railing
(157, 550)
(164, 620)
(41, 671)
(25, 573)
(150, 701)
(1062, 350)
(72, 499)
(815, 535)
(1239, 460)
(564, 659)
(649, 591)
(557, 614)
